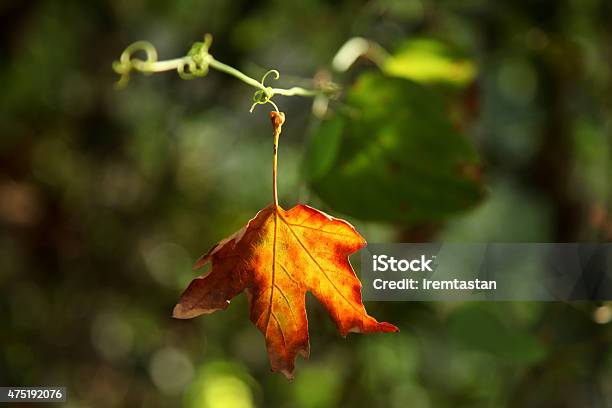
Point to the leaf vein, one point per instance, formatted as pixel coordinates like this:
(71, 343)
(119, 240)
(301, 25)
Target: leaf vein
(319, 230)
(288, 305)
(319, 266)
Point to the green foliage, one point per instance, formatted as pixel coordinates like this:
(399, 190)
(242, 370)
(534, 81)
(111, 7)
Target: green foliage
(327, 383)
(393, 155)
(220, 384)
(429, 61)
(478, 329)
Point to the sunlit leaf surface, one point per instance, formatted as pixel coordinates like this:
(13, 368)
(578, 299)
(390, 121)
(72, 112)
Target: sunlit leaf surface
(276, 258)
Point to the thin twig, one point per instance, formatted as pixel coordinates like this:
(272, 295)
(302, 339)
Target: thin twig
(196, 63)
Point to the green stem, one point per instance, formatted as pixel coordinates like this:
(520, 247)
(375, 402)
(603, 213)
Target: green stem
(198, 62)
(219, 66)
(160, 66)
(296, 91)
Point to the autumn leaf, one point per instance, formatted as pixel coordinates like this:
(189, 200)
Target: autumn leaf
(276, 258)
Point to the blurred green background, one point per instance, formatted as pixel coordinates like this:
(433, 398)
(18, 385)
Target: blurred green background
(489, 122)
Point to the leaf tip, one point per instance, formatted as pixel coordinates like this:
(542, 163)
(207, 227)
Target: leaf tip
(288, 374)
(182, 312)
(179, 312)
(388, 327)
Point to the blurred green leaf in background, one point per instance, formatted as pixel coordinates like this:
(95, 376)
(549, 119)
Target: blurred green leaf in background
(393, 155)
(429, 61)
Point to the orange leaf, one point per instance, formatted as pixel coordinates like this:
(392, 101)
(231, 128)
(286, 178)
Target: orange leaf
(276, 258)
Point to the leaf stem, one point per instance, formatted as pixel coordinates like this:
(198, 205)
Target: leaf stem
(277, 118)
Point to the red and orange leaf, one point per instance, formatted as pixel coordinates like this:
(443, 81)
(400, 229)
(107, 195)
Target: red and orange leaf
(276, 258)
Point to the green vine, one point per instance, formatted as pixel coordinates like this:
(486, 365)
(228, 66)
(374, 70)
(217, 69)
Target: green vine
(197, 63)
